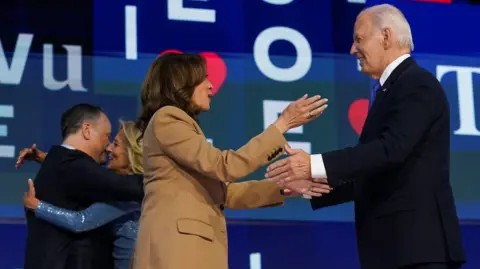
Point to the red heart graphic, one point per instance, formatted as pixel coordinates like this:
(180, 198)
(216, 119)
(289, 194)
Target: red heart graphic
(357, 114)
(216, 68)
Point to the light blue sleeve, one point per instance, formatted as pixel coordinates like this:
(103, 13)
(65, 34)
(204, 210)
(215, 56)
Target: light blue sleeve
(93, 217)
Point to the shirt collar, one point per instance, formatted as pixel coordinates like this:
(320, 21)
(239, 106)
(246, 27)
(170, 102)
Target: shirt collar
(388, 71)
(68, 147)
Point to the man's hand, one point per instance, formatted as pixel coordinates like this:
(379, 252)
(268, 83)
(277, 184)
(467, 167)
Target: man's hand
(30, 154)
(295, 167)
(308, 187)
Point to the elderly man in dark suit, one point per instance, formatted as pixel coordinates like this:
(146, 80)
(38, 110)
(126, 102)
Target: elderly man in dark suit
(398, 174)
(71, 177)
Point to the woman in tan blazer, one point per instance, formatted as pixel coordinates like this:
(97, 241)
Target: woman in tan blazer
(188, 182)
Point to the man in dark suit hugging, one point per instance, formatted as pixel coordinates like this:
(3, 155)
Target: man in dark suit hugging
(72, 177)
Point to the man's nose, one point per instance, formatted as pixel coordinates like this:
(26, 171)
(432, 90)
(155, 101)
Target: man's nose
(353, 49)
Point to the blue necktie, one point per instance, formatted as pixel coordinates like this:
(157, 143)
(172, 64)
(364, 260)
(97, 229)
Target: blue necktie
(373, 92)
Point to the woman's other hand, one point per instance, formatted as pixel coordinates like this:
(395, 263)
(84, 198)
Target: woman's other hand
(300, 112)
(29, 200)
(30, 154)
(287, 193)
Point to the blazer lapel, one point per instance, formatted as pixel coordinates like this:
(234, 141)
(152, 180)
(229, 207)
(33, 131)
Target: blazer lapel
(384, 89)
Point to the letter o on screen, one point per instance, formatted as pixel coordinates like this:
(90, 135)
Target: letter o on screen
(262, 58)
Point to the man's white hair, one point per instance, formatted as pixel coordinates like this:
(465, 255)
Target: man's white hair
(388, 16)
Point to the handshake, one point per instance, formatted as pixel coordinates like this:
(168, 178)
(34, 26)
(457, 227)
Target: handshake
(293, 175)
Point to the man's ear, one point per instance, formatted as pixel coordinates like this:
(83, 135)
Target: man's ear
(86, 130)
(387, 38)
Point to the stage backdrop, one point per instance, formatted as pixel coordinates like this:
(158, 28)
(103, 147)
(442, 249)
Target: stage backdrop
(98, 52)
(261, 55)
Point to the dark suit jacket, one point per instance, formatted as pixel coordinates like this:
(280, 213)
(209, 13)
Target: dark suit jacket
(73, 180)
(398, 175)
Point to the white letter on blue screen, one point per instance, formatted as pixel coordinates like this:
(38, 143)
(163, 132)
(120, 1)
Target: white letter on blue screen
(255, 261)
(261, 55)
(466, 103)
(278, 2)
(177, 12)
(13, 75)
(131, 33)
(6, 151)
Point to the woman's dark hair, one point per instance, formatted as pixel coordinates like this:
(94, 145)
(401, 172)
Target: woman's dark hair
(170, 81)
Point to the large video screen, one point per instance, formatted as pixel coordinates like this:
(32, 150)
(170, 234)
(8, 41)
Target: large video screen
(261, 55)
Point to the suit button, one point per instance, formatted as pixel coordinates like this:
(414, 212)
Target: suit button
(222, 207)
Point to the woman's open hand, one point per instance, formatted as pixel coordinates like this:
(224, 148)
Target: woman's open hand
(300, 112)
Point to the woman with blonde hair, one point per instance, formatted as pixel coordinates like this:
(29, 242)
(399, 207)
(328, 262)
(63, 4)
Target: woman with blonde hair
(126, 157)
(188, 182)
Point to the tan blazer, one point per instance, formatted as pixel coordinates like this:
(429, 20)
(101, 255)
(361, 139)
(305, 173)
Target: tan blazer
(188, 185)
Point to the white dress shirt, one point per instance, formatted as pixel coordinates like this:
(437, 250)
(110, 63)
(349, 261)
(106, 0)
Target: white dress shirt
(316, 161)
(68, 147)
